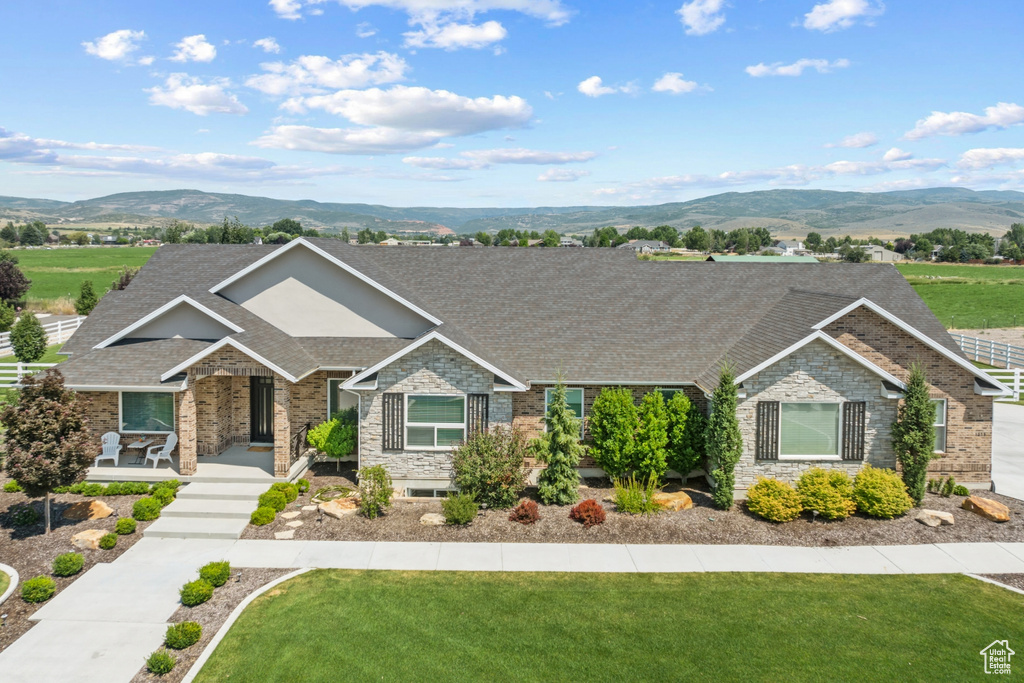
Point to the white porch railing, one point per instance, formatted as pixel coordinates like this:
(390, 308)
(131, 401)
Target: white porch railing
(56, 333)
(11, 374)
(996, 354)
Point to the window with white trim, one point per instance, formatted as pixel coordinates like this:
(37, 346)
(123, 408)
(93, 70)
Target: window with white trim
(435, 421)
(940, 424)
(573, 398)
(147, 412)
(808, 430)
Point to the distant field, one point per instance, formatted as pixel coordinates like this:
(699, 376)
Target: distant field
(60, 272)
(965, 296)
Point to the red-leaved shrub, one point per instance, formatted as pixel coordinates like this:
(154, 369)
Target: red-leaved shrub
(525, 513)
(588, 513)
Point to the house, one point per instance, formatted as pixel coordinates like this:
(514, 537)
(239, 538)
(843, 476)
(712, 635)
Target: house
(646, 246)
(233, 345)
(790, 248)
(563, 241)
(882, 254)
(753, 258)
(108, 240)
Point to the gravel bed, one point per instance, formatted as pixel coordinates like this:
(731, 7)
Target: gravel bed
(211, 615)
(1013, 580)
(701, 525)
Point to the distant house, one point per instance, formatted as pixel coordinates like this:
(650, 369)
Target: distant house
(108, 239)
(390, 242)
(563, 242)
(791, 248)
(646, 246)
(732, 258)
(882, 254)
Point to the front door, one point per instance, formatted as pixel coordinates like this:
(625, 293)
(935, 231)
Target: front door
(261, 409)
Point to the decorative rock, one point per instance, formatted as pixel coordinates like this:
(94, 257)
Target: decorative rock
(340, 507)
(673, 501)
(284, 535)
(290, 515)
(296, 524)
(989, 509)
(87, 509)
(432, 519)
(934, 517)
(88, 540)
(308, 508)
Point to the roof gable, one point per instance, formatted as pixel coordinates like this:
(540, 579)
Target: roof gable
(182, 317)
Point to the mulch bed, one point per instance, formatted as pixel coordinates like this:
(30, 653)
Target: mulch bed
(701, 525)
(1013, 580)
(211, 615)
(30, 551)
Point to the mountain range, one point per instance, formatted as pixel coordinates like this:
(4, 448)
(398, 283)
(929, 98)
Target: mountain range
(787, 213)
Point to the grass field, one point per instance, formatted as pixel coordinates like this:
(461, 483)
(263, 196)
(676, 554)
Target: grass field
(429, 626)
(965, 296)
(59, 272)
(5, 581)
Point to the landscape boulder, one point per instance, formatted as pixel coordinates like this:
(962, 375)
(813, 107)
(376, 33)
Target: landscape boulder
(673, 501)
(340, 507)
(934, 517)
(88, 540)
(87, 509)
(989, 509)
(432, 519)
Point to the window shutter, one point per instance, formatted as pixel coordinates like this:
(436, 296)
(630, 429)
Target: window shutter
(478, 407)
(853, 430)
(393, 422)
(767, 430)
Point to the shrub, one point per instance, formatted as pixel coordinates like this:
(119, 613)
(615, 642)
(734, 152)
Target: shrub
(12, 487)
(525, 513)
(67, 564)
(723, 441)
(459, 508)
(273, 499)
(172, 484)
(93, 489)
(23, 514)
(135, 488)
(613, 428)
(28, 339)
(948, 486)
(180, 636)
(303, 485)
(774, 500)
(959, 490)
(114, 488)
(588, 513)
(217, 573)
(934, 485)
(635, 496)
(39, 589)
(830, 492)
(649, 456)
(685, 448)
(490, 466)
(125, 525)
(146, 509)
(374, 491)
(163, 496)
(108, 541)
(196, 592)
(881, 493)
(262, 516)
(289, 491)
(160, 662)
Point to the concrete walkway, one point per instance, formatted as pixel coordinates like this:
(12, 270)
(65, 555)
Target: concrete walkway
(1008, 450)
(103, 626)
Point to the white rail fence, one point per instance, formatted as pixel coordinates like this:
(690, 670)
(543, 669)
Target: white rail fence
(56, 333)
(997, 354)
(1012, 378)
(11, 374)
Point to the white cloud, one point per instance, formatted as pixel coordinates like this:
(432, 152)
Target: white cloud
(856, 141)
(897, 154)
(822, 66)
(287, 9)
(452, 36)
(485, 158)
(701, 17)
(147, 60)
(194, 49)
(551, 11)
(115, 46)
(595, 87)
(268, 44)
(839, 14)
(989, 157)
(181, 91)
(365, 30)
(1001, 116)
(444, 163)
(312, 74)
(347, 140)
(562, 175)
(673, 82)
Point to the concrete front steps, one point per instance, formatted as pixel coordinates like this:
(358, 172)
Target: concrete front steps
(208, 510)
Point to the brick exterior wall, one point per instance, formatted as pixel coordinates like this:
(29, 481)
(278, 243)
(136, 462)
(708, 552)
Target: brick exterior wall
(309, 401)
(968, 455)
(102, 410)
(215, 426)
(282, 426)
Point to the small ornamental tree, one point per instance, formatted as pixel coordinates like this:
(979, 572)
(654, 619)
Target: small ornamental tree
(613, 430)
(335, 438)
(490, 466)
(124, 278)
(28, 339)
(47, 445)
(649, 455)
(13, 283)
(7, 316)
(86, 300)
(723, 441)
(560, 448)
(913, 433)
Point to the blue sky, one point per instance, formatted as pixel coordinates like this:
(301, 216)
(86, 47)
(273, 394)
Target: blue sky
(508, 102)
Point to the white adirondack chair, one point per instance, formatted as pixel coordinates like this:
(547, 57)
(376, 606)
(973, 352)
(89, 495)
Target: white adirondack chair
(111, 448)
(163, 451)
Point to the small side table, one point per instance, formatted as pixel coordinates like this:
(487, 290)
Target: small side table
(140, 447)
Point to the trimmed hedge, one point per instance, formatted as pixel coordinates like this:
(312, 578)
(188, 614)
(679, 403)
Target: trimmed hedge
(262, 516)
(108, 541)
(185, 634)
(881, 493)
(39, 589)
(67, 564)
(290, 491)
(125, 525)
(774, 500)
(830, 492)
(273, 499)
(146, 509)
(196, 592)
(160, 662)
(217, 573)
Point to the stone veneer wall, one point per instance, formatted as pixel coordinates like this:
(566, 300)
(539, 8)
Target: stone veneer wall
(431, 369)
(968, 454)
(817, 372)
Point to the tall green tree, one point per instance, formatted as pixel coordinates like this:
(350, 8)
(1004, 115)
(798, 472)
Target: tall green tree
(87, 299)
(685, 448)
(913, 433)
(28, 339)
(551, 238)
(13, 283)
(724, 445)
(649, 457)
(697, 239)
(613, 426)
(9, 233)
(560, 448)
(288, 225)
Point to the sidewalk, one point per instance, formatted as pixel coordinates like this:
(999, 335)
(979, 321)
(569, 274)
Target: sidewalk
(103, 626)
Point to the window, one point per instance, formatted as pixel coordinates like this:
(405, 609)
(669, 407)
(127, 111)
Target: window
(574, 399)
(338, 399)
(147, 411)
(435, 421)
(940, 424)
(809, 429)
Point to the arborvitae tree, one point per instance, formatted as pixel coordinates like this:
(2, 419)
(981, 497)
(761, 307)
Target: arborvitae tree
(28, 338)
(684, 452)
(649, 456)
(913, 433)
(46, 442)
(560, 448)
(613, 430)
(7, 316)
(723, 441)
(87, 299)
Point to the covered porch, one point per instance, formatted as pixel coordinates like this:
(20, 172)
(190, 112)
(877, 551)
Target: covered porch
(237, 464)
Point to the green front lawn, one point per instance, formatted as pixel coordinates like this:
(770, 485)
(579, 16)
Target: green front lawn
(5, 581)
(331, 625)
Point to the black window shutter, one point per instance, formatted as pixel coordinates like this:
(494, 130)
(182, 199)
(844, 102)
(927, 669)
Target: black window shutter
(853, 430)
(478, 408)
(393, 438)
(767, 430)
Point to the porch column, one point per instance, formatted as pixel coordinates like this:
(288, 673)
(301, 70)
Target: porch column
(187, 428)
(282, 426)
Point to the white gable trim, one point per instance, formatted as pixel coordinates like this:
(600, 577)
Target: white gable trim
(341, 264)
(183, 299)
(923, 338)
(228, 341)
(430, 336)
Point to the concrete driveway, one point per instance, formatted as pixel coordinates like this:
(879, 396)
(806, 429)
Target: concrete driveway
(1008, 450)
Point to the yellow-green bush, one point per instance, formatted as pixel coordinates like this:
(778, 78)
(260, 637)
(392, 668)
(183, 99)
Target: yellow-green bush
(881, 493)
(774, 500)
(830, 492)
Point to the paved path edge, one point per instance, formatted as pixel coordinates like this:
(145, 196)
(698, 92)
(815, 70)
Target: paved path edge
(995, 583)
(13, 573)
